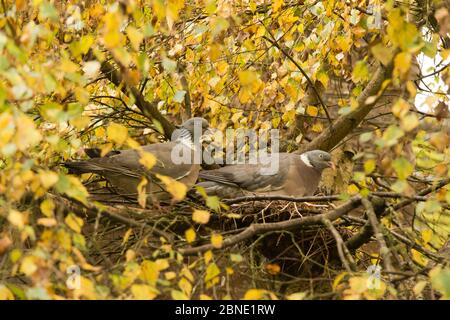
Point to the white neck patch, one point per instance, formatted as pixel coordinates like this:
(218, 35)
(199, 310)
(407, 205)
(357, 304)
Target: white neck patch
(305, 160)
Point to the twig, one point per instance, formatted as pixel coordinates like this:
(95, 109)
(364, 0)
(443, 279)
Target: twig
(284, 198)
(150, 110)
(384, 250)
(344, 253)
(111, 213)
(255, 229)
(277, 45)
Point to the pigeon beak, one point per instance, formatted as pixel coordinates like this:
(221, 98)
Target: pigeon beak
(331, 165)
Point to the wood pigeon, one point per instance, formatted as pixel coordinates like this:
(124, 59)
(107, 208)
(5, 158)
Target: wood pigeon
(298, 175)
(123, 170)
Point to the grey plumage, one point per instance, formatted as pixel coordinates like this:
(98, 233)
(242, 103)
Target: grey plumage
(298, 175)
(124, 172)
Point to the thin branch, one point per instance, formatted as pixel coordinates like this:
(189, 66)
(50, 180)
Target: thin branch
(277, 45)
(284, 198)
(344, 253)
(111, 213)
(259, 228)
(150, 110)
(384, 250)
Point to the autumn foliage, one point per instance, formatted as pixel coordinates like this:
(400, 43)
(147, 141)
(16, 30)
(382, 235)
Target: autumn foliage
(366, 80)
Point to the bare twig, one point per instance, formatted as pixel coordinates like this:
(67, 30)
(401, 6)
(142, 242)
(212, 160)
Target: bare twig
(110, 212)
(384, 250)
(255, 229)
(344, 253)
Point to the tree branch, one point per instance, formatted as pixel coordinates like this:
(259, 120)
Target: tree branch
(330, 137)
(344, 253)
(384, 250)
(150, 110)
(259, 228)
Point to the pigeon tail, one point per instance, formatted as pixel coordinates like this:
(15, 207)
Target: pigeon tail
(80, 167)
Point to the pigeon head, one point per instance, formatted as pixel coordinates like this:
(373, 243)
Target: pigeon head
(194, 129)
(196, 123)
(317, 159)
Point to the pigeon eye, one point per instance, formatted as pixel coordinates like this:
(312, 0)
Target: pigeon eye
(321, 156)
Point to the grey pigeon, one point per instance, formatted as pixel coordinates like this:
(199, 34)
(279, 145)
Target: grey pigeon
(122, 169)
(298, 175)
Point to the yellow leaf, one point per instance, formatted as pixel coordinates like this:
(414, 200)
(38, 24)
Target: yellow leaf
(75, 223)
(409, 122)
(190, 235)
(162, 264)
(26, 133)
(402, 63)
(360, 72)
(244, 95)
(247, 77)
(403, 168)
(117, 133)
(201, 216)
(147, 159)
(418, 288)
(20, 5)
(143, 292)
(76, 190)
(216, 240)
(317, 127)
(47, 222)
(5, 293)
(127, 235)
(177, 189)
(5, 243)
(150, 271)
(86, 289)
(135, 37)
(276, 5)
(142, 194)
(255, 294)
(352, 189)
(48, 178)
(427, 235)
(185, 286)
(296, 296)
(28, 266)
(178, 295)
(273, 268)
(312, 111)
(170, 275)
(16, 218)
(382, 53)
(419, 258)
(208, 255)
(369, 166)
(400, 108)
(212, 275)
(68, 66)
(412, 89)
(344, 43)
(130, 255)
